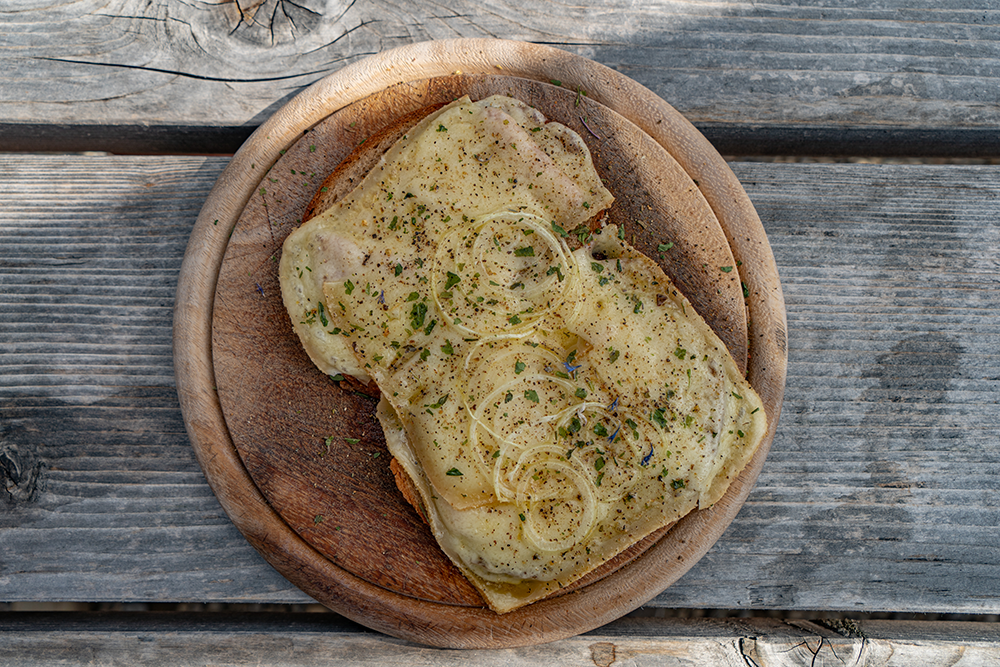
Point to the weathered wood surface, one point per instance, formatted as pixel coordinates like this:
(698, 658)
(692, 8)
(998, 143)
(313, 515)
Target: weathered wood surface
(880, 492)
(325, 639)
(890, 76)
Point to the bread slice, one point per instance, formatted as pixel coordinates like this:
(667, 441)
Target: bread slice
(342, 181)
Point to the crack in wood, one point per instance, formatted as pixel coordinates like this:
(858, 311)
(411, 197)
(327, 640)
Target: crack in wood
(188, 75)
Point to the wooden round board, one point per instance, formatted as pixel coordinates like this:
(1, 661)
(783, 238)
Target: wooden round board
(298, 459)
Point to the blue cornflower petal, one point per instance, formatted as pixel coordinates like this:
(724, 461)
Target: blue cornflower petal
(645, 459)
(570, 368)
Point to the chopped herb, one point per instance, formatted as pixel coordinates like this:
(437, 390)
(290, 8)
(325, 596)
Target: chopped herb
(688, 421)
(352, 441)
(417, 315)
(725, 269)
(526, 251)
(581, 392)
(442, 128)
(508, 398)
(518, 367)
(398, 270)
(413, 296)
(531, 395)
(424, 354)
(746, 290)
(600, 429)
(677, 484)
(680, 353)
(557, 269)
(447, 348)
(737, 396)
(514, 319)
(322, 314)
(596, 267)
(559, 230)
(740, 433)
(599, 463)
(663, 247)
(613, 357)
(430, 327)
(454, 472)
(453, 279)
(521, 517)
(348, 286)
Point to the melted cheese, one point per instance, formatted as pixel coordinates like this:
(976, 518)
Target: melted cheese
(551, 406)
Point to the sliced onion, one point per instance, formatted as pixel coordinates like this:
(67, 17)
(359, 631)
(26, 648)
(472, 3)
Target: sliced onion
(542, 537)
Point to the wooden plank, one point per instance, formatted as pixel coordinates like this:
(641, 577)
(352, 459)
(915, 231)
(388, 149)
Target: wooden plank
(879, 493)
(326, 639)
(839, 77)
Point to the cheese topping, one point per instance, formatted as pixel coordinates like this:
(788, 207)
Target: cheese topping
(552, 406)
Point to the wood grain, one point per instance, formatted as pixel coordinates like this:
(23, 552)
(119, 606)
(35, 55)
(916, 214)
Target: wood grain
(875, 77)
(879, 492)
(318, 640)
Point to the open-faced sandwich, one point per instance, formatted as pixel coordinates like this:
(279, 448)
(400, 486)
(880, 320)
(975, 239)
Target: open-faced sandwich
(548, 395)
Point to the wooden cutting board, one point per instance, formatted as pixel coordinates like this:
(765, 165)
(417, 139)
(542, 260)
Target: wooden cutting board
(298, 459)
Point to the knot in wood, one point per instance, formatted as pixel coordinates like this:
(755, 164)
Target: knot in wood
(20, 474)
(273, 22)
